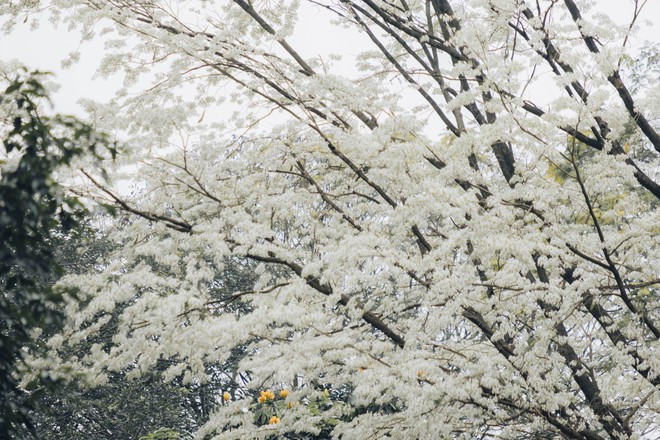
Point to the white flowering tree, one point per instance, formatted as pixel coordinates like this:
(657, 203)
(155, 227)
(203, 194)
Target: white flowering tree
(455, 225)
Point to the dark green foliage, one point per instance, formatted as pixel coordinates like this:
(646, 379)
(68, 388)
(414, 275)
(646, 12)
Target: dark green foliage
(34, 215)
(121, 409)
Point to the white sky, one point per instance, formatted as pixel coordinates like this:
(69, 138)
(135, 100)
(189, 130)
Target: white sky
(46, 47)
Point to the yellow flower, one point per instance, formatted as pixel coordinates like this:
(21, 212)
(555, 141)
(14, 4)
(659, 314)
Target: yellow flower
(421, 373)
(274, 420)
(284, 393)
(265, 395)
(226, 396)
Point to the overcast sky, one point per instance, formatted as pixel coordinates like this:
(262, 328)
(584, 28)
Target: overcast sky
(46, 47)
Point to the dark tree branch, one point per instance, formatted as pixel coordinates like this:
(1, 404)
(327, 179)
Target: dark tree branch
(615, 79)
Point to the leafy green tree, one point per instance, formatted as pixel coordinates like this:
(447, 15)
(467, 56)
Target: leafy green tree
(34, 213)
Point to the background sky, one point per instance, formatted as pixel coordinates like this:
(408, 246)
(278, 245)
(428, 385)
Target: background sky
(46, 47)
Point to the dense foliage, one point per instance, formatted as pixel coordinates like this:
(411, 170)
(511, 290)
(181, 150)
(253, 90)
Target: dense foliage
(130, 408)
(454, 228)
(36, 216)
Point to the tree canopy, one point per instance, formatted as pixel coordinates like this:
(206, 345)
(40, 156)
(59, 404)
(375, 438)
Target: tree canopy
(453, 223)
(37, 217)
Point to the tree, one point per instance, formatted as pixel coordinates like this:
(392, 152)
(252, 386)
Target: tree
(149, 406)
(432, 265)
(36, 216)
